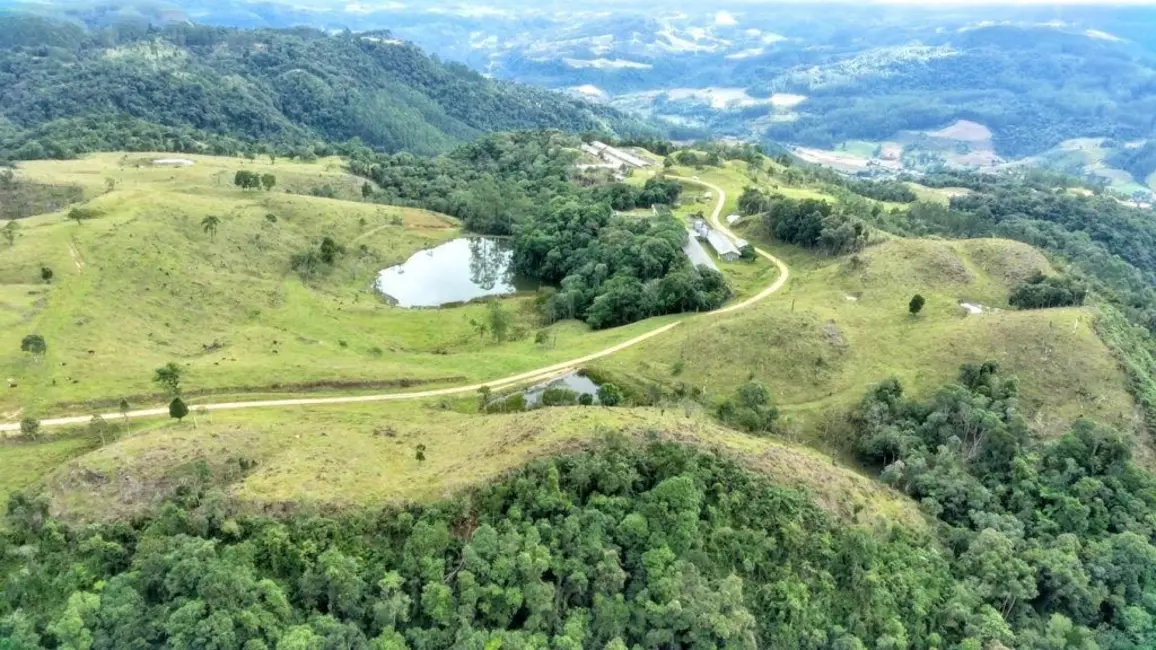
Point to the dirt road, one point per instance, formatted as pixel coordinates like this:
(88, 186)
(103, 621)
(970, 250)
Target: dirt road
(531, 376)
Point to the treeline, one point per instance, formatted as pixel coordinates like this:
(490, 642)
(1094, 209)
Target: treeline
(811, 223)
(607, 270)
(1040, 292)
(209, 89)
(1051, 542)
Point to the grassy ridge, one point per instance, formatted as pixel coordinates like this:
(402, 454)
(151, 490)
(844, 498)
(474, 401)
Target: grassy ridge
(365, 454)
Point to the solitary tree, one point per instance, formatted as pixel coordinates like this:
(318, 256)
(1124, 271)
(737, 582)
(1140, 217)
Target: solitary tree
(123, 408)
(268, 181)
(178, 409)
(209, 224)
(168, 377)
(80, 214)
(34, 344)
(366, 190)
(9, 231)
(916, 305)
(30, 428)
(484, 397)
(420, 455)
(500, 321)
(46, 274)
(609, 395)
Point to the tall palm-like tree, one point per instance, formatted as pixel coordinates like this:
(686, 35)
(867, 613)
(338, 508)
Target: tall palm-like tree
(209, 225)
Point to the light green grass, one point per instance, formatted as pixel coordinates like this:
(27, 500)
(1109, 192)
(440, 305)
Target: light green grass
(819, 351)
(365, 455)
(23, 463)
(142, 285)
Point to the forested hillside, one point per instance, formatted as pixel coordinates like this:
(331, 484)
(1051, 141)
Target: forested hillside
(1036, 547)
(184, 87)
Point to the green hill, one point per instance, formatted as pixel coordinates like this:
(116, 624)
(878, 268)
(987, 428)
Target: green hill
(190, 88)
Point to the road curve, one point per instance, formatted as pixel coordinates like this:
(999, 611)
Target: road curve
(537, 374)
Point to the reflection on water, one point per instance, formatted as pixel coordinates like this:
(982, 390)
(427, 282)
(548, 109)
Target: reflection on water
(575, 381)
(457, 271)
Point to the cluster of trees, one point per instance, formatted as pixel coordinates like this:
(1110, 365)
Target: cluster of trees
(1044, 292)
(1051, 542)
(248, 180)
(750, 409)
(227, 91)
(1140, 162)
(889, 190)
(612, 270)
(656, 191)
(607, 270)
(811, 223)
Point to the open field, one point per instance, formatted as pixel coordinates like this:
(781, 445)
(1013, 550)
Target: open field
(839, 326)
(141, 285)
(365, 454)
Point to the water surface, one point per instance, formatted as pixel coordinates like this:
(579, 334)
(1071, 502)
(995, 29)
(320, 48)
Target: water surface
(457, 271)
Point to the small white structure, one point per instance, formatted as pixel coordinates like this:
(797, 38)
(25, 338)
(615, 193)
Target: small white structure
(614, 155)
(732, 219)
(173, 162)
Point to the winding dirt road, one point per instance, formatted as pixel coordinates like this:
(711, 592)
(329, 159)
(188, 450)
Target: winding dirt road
(536, 375)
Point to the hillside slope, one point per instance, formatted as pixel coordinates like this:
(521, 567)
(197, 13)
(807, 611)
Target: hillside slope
(364, 455)
(193, 88)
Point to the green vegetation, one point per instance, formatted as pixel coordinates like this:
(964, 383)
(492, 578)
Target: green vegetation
(1036, 545)
(199, 89)
(609, 270)
(132, 291)
(916, 304)
(1041, 292)
(1050, 540)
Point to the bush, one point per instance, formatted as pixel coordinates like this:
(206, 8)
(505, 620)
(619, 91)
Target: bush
(750, 409)
(34, 344)
(916, 304)
(609, 395)
(1042, 292)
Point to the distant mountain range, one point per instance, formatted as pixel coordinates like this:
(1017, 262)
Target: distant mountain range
(66, 89)
(814, 75)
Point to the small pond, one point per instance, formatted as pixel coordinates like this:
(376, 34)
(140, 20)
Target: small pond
(457, 271)
(574, 382)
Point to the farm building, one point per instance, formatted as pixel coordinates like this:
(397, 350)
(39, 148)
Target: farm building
(614, 155)
(719, 242)
(722, 245)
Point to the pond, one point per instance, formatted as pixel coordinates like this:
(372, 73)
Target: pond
(457, 271)
(575, 382)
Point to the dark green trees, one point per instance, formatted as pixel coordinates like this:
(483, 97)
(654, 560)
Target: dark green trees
(33, 344)
(168, 377)
(916, 304)
(178, 409)
(1040, 292)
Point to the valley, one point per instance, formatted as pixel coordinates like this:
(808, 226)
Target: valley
(594, 328)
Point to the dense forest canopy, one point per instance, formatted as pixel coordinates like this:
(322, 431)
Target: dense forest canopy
(1034, 546)
(185, 87)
